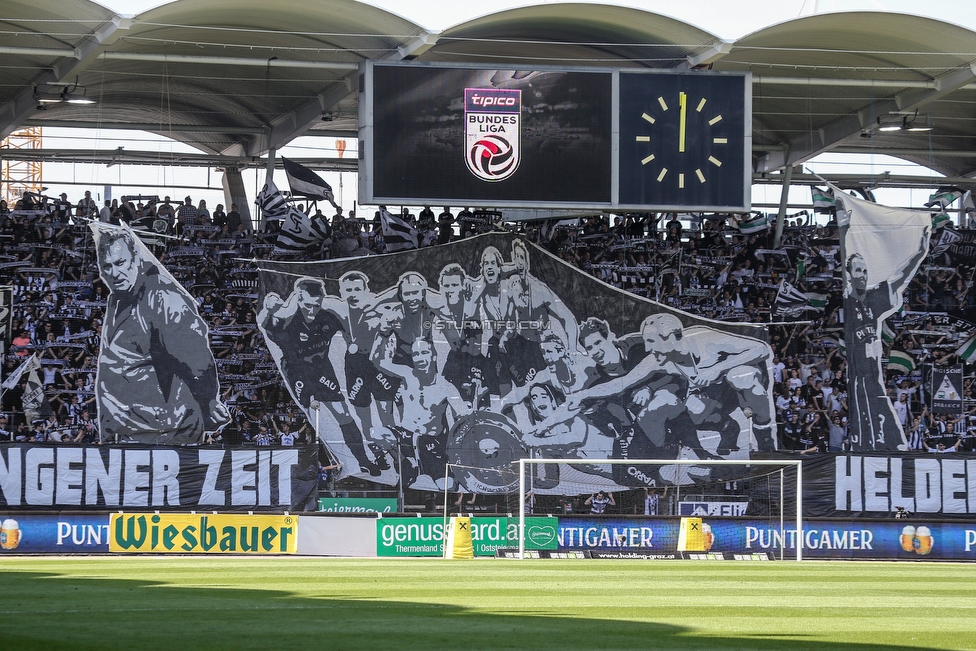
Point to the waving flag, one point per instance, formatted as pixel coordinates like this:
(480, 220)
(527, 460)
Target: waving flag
(940, 220)
(823, 200)
(306, 183)
(31, 364)
(887, 333)
(942, 199)
(298, 232)
(968, 350)
(34, 398)
(945, 241)
(817, 301)
(883, 249)
(758, 223)
(398, 234)
(790, 302)
(897, 360)
(967, 208)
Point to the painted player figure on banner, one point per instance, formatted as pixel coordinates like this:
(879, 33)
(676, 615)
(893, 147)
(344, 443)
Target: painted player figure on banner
(482, 370)
(535, 311)
(362, 323)
(157, 379)
(303, 327)
(643, 411)
(680, 382)
(430, 407)
(873, 424)
(457, 336)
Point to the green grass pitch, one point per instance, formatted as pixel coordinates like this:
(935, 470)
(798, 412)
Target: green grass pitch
(235, 603)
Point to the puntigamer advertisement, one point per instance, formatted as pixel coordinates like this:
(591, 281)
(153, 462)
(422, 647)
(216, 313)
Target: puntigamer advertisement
(57, 534)
(658, 537)
(899, 539)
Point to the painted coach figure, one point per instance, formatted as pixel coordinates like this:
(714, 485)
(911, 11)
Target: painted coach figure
(157, 380)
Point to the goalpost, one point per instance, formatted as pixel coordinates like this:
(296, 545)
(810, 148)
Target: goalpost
(525, 481)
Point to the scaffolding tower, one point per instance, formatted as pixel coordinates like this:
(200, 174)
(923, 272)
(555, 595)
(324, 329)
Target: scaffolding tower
(19, 176)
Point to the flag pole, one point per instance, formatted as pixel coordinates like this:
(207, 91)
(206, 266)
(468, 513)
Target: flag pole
(269, 175)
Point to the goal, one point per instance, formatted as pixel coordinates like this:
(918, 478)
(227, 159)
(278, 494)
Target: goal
(469, 489)
(768, 488)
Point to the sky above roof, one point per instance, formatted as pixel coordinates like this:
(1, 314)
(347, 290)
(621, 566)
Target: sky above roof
(729, 19)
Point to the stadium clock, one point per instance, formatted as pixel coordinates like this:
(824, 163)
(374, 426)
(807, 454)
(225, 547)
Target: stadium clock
(682, 139)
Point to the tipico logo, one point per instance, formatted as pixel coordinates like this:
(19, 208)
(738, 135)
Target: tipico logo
(492, 132)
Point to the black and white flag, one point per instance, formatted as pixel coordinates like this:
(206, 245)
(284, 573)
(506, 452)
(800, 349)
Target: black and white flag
(967, 209)
(156, 381)
(298, 232)
(31, 364)
(306, 183)
(35, 400)
(790, 302)
(947, 238)
(398, 234)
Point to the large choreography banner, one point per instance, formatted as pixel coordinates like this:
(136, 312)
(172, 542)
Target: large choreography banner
(157, 379)
(37, 476)
(882, 249)
(489, 350)
(855, 486)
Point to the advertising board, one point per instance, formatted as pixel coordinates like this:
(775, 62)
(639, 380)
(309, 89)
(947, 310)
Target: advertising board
(53, 534)
(358, 504)
(425, 536)
(916, 539)
(195, 533)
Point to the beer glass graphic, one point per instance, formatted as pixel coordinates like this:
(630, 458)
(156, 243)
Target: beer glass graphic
(923, 538)
(9, 534)
(908, 538)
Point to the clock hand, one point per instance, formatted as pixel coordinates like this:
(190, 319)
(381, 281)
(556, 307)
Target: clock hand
(683, 104)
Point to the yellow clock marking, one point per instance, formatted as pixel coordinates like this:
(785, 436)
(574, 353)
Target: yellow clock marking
(682, 131)
(682, 121)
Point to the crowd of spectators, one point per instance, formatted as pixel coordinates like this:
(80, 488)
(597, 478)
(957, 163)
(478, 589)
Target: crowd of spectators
(701, 264)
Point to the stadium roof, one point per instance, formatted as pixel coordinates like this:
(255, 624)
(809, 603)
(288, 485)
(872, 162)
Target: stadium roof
(236, 77)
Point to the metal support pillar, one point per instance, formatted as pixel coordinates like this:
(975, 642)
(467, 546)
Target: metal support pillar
(234, 192)
(784, 201)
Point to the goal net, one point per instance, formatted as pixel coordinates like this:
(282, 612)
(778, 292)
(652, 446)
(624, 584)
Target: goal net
(714, 496)
(474, 489)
